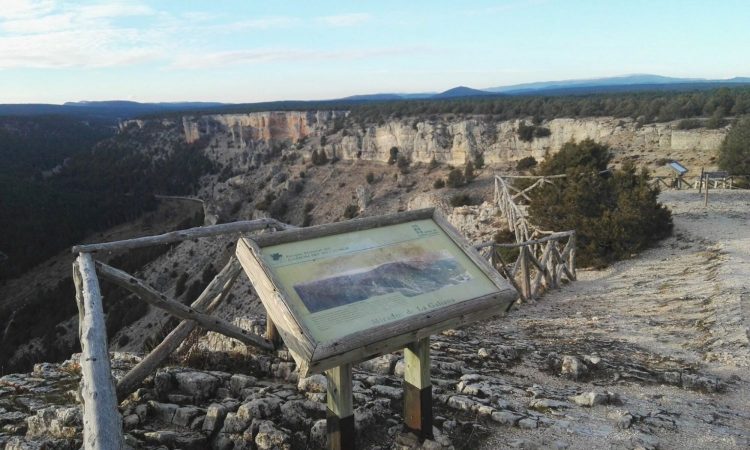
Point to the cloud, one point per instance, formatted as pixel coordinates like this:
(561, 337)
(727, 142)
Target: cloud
(262, 56)
(344, 20)
(263, 23)
(106, 33)
(14, 9)
(49, 34)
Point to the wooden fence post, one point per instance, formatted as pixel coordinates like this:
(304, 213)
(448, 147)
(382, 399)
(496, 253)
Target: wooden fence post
(525, 276)
(418, 389)
(102, 424)
(572, 255)
(340, 412)
(705, 199)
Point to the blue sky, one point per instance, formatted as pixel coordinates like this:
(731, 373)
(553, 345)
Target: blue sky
(244, 51)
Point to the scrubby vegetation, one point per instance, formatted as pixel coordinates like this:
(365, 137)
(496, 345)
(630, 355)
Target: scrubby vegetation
(462, 200)
(351, 211)
(734, 153)
(526, 163)
(455, 178)
(615, 213)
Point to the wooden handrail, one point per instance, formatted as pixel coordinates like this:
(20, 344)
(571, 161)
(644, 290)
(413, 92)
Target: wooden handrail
(244, 226)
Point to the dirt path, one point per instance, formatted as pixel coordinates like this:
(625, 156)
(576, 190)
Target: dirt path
(666, 333)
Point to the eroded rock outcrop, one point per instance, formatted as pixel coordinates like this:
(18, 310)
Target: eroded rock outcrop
(449, 140)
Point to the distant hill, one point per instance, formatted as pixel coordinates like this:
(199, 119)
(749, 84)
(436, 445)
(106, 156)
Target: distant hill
(462, 91)
(615, 84)
(108, 111)
(111, 111)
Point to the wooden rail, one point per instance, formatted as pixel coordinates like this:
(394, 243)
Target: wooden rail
(102, 423)
(695, 182)
(541, 264)
(245, 226)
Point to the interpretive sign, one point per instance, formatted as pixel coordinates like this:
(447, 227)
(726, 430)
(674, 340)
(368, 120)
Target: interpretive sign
(346, 292)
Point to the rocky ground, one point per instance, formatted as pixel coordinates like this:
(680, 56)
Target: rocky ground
(649, 353)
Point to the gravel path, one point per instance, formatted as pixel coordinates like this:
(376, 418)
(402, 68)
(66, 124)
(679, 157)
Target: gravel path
(667, 330)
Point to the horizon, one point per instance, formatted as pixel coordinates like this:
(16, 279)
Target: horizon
(248, 52)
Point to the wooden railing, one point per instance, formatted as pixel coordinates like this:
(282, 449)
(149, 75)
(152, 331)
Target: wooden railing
(694, 182)
(102, 423)
(541, 264)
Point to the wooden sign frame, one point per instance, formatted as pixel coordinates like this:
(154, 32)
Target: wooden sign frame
(316, 357)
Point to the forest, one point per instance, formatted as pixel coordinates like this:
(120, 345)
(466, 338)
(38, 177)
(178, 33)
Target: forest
(100, 180)
(644, 106)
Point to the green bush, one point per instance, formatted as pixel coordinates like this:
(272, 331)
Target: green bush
(403, 164)
(615, 214)
(526, 132)
(264, 204)
(439, 183)
(319, 158)
(526, 163)
(393, 155)
(351, 211)
(461, 200)
(479, 160)
(469, 172)
(540, 132)
(370, 177)
(734, 153)
(689, 124)
(455, 178)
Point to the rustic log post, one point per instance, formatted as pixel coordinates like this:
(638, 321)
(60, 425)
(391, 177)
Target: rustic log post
(102, 424)
(572, 255)
(209, 299)
(418, 389)
(272, 333)
(340, 412)
(525, 275)
(700, 182)
(155, 298)
(705, 199)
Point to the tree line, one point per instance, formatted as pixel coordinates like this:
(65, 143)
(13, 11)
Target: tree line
(646, 107)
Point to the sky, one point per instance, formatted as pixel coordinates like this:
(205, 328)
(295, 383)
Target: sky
(53, 51)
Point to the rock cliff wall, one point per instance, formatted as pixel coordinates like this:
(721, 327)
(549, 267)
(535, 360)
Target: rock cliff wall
(450, 140)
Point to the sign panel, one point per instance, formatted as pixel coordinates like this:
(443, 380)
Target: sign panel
(348, 291)
(341, 284)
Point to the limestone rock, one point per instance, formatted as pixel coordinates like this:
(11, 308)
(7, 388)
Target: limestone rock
(382, 365)
(313, 383)
(271, 438)
(200, 385)
(572, 367)
(215, 415)
(238, 382)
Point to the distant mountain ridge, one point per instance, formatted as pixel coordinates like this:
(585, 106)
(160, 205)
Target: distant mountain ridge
(114, 110)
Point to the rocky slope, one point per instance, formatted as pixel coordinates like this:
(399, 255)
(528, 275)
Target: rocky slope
(651, 353)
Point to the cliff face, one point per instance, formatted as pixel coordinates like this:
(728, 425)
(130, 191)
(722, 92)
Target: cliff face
(449, 140)
(263, 126)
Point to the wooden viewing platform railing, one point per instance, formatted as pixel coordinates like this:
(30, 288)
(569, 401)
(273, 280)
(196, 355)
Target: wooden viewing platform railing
(102, 423)
(541, 264)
